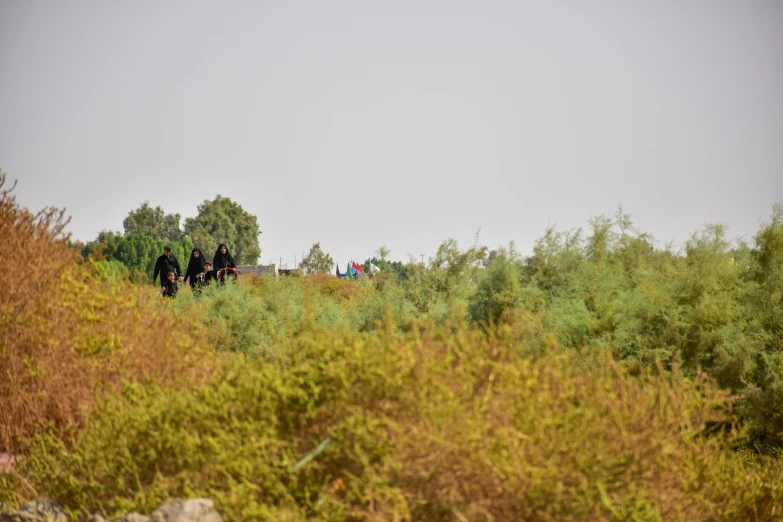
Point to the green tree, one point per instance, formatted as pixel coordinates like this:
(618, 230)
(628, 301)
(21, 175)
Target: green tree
(499, 290)
(317, 261)
(394, 269)
(435, 289)
(135, 251)
(390, 269)
(759, 361)
(600, 241)
(139, 252)
(153, 222)
(383, 252)
(766, 272)
(555, 261)
(709, 294)
(103, 247)
(224, 221)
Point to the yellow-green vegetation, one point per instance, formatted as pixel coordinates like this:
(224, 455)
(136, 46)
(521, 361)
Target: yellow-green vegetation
(597, 379)
(436, 423)
(69, 329)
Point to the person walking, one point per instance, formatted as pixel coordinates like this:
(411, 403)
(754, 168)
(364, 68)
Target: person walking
(222, 258)
(169, 289)
(165, 264)
(195, 267)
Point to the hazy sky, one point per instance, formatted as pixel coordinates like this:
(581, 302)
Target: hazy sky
(405, 123)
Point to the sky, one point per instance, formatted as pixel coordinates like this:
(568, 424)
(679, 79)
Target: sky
(357, 124)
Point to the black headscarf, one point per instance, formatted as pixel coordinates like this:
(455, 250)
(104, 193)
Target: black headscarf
(195, 265)
(222, 260)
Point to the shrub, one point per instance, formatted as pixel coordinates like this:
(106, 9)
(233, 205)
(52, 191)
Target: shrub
(68, 329)
(258, 316)
(498, 292)
(437, 423)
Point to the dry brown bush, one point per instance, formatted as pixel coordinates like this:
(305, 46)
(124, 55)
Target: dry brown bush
(330, 286)
(67, 331)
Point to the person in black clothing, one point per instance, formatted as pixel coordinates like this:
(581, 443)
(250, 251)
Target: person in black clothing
(165, 264)
(202, 279)
(169, 288)
(195, 267)
(209, 275)
(223, 258)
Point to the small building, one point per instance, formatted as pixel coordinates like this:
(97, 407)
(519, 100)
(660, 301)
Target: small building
(258, 269)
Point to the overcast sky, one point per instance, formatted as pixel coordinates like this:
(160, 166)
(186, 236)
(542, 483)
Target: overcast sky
(362, 123)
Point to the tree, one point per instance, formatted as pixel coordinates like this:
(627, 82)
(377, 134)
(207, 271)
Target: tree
(600, 241)
(766, 271)
(396, 269)
(453, 267)
(317, 261)
(499, 290)
(137, 252)
(153, 222)
(383, 252)
(761, 399)
(103, 247)
(224, 221)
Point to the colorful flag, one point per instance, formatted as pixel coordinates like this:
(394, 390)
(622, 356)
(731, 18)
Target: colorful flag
(356, 266)
(349, 271)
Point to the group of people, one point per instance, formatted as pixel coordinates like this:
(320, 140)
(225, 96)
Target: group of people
(200, 271)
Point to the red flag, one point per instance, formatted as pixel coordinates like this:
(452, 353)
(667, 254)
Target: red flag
(356, 266)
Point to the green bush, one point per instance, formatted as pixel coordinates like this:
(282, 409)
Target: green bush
(498, 292)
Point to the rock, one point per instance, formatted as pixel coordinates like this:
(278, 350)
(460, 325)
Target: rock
(6, 462)
(177, 510)
(192, 510)
(36, 511)
(134, 517)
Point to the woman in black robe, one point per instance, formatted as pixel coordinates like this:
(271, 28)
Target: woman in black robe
(222, 258)
(195, 267)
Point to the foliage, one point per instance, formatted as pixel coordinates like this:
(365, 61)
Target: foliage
(436, 423)
(137, 253)
(259, 317)
(397, 270)
(68, 329)
(579, 383)
(141, 252)
(224, 221)
(757, 357)
(714, 306)
(447, 280)
(383, 252)
(103, 247)
(498, 291)
(317, 261)
(766, 272)
(153, 222)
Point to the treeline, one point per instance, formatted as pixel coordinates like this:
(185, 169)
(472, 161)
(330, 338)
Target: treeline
(147, 230)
